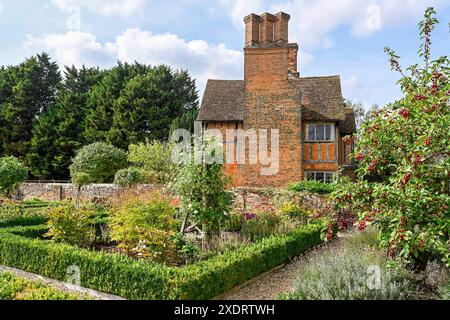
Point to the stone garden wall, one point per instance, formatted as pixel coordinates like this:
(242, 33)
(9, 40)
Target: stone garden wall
(260, 199)
(263, 199)
(66, 191)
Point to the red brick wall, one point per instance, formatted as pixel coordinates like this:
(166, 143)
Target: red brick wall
(293, 56)
(271, 102)
(291, 170)
(231, 170)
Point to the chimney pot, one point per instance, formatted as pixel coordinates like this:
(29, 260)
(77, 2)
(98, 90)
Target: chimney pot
(282, 28)
(267, 28)
(252, 22)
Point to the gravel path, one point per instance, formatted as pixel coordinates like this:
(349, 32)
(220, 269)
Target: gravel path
(282, 280)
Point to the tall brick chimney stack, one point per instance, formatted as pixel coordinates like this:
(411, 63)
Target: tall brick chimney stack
(271, 101)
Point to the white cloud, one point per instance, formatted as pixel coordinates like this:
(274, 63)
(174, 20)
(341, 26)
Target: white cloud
(1, 7)
(72, 48)
(238, 9)
(124, 8)
(391, 13)
(202, 59)
(313, 21)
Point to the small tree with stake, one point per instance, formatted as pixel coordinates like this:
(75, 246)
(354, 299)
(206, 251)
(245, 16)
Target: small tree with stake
(12, 173)
(96, 163)
(202, 189)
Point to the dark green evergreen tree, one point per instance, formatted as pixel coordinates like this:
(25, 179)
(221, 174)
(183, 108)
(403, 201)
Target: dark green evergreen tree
(26, 91)
(59, 132)
(149, 103)
(46, 118)
(186, 121)
(102, 98)
(7, 78)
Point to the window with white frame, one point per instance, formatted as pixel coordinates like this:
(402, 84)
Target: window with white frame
(320, 132)
(327, 177)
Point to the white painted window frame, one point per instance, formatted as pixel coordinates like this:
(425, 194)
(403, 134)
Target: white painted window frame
(333, 131)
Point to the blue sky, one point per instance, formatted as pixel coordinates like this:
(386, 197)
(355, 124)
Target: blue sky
(344, 37)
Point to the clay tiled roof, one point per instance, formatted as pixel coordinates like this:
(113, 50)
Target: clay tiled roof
(321, 101)
(223, 101)
(321, 98)
(348, 126)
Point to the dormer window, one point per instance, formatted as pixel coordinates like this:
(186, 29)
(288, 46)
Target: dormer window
(320, 132)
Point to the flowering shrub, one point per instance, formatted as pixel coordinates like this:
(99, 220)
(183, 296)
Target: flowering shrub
(255, 225)
(145, 229)
(292, 211)
(345, 273)
(260, 225)
(406, 147)
(71, 225)
(235, 220)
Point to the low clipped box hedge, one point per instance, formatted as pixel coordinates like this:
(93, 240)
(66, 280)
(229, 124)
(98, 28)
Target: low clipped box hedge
(33, 232)
(207, 279)
(141, 280)
(110, 273)
(22, 221)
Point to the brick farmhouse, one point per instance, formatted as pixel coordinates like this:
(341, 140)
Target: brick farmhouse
(309, 112)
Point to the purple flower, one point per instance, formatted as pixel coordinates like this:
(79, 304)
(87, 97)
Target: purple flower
(250, 216)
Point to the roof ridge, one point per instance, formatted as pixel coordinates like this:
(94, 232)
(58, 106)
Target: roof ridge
(319, 77)
(225, 79)
(297, 79)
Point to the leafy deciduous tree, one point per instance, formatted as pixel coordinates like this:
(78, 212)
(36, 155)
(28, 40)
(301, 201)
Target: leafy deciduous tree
(12, 173)
(407, 144)
(97, 163)
(202, 189)
(155, 159)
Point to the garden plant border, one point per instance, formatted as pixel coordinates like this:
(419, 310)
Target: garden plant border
(141, 280)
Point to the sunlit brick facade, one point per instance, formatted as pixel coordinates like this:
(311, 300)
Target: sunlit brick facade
(309, 112)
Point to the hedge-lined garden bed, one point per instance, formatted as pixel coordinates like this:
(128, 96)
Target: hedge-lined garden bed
(13, 287)
(20, 247)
